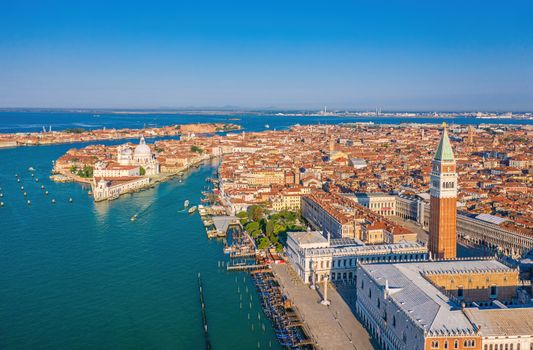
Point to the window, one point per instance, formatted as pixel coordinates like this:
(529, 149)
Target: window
(369, 293)
(460, 292)
(379, 303)
(394, 321)
(445, 344)
(362, 284)
(493, 291)
(469, 343)
(434, 344)
(456, 344)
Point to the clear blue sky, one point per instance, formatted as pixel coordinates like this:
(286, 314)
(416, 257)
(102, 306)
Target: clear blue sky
(429, 55)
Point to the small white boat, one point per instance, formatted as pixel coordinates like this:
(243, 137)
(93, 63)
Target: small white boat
(192, 210)
(134, 217)
(31, 169)
(267, 126)
(186, 204)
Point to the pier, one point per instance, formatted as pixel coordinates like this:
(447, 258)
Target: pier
(245, 267)
(288, 326)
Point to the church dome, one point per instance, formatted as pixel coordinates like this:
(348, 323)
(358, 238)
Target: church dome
(142, 149)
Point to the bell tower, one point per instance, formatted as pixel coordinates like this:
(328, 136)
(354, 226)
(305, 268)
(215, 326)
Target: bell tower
(443, 202)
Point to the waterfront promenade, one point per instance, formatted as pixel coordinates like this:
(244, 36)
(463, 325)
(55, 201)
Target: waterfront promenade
(333, 327)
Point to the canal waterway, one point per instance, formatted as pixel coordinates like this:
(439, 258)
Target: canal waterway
(81, 275)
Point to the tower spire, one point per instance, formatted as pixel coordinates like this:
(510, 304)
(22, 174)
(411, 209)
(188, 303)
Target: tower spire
(444, 150)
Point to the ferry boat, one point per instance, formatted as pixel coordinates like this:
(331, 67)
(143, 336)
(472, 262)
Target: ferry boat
(186, 203)
(192, 210)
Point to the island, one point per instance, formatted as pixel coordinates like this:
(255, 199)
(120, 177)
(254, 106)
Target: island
(89, 135)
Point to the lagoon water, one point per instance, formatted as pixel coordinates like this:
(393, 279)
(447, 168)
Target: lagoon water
(81, 275)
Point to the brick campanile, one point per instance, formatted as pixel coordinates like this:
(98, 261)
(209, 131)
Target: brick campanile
(443, 207)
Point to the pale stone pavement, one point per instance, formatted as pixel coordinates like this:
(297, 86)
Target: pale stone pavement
(333, 327)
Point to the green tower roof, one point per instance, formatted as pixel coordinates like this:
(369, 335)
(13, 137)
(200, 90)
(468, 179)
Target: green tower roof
(444, 151)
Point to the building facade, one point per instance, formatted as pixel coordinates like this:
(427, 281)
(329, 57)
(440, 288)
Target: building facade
(414, 305)
(112, 188)
(315, 257)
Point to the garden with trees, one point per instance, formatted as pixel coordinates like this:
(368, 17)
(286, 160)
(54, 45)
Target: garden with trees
(270, 229)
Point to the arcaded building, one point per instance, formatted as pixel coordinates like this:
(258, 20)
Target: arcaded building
(444, 305)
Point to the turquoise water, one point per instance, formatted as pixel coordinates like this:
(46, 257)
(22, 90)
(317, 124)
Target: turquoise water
(83, 276)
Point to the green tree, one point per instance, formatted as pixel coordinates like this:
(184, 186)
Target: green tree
(263, 243)
(75, 130)
(255, 212)
(142, 171)
(256, 233)
(269, 229)
(278, 228)
(196, 149)
(252, 226)
(86, 172)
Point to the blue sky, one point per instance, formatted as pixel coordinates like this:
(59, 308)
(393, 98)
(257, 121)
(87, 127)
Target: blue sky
(416, 55)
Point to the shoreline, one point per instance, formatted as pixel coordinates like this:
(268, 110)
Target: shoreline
(153, 180)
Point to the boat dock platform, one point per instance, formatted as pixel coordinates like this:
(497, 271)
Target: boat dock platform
(245, 267)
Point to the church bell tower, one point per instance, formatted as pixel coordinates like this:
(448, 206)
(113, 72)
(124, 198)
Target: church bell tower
(443, 202)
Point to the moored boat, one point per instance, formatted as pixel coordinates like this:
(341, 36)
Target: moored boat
(192, 210)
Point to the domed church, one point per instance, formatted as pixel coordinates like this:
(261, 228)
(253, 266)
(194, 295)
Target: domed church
(141, 156)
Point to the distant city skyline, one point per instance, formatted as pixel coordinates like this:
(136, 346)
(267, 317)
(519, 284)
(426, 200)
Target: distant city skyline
(454, 56)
